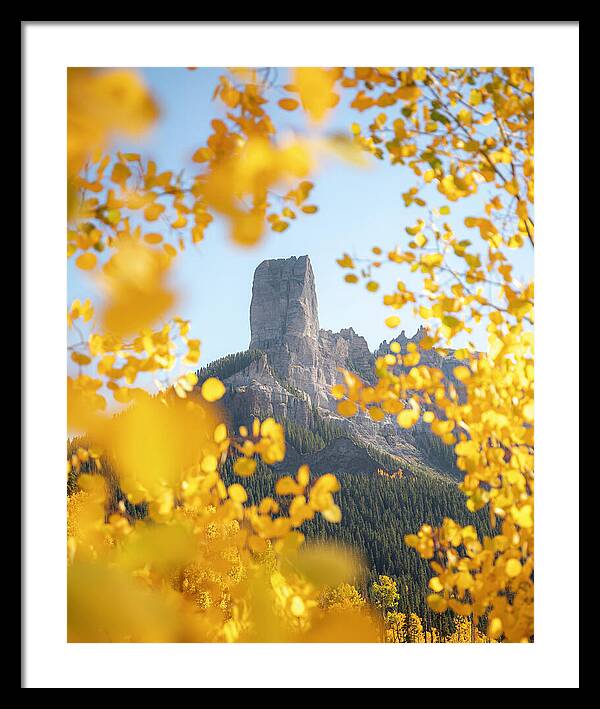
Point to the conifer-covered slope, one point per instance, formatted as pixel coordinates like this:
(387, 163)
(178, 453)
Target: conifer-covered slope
(377, 512)
(290, 367)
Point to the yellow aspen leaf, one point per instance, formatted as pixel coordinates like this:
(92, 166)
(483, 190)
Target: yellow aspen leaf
(475, 97)
(247, 228)
(513, 568)
(192, 356)
(203, 155)
(372, 286)
(437, 603)
(332, 514)
(244, 467)
(472, 146)
(133, 109)
(86, 261)
(406, 418)
(309, 208)
(303, 475)
(197, 234)
(220, 433)
(208, 464)
(392, 321)
(297, 607)
(361, 101)
(99, 104)
(79, 358)
(408, 93)
(288, 486)
(351, 278)
(464, 581)
(435, 584)
(134, 279)
(462, 373)
(120, 174)
(230, 96)
(411, 540)
(213, 389)
(427, 342)
(376, 413)
(495, 628)
(315, 88)
(338, 391)
(347, 408)
(345, 261)
(113, 216)
(523, 517)
(153, 212)
(288, 104)
(459, 608)
(153, 238)
(512, 187)
(237, 493)
(179, 223)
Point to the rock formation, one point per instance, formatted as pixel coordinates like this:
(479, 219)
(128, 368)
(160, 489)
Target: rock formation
(291, 377)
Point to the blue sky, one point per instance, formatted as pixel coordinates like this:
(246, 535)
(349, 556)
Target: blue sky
(358, 208)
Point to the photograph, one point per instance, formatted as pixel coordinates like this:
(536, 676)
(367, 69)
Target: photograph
(299, 359)
(295, 483)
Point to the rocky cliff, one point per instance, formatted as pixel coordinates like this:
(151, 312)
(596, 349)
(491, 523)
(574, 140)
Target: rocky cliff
(294, 365)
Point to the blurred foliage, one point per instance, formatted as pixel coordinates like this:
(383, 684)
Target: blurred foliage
(204, 563)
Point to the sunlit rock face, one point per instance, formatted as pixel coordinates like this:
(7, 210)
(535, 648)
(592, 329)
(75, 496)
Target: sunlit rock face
(284, 303)
(284, 323)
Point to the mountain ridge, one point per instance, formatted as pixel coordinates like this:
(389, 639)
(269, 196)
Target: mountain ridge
(292, 363)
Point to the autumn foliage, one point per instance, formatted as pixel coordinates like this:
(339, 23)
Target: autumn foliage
(205, 564)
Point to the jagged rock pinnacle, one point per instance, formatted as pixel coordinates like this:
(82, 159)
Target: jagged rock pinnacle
(291, 378)
(284, 302)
